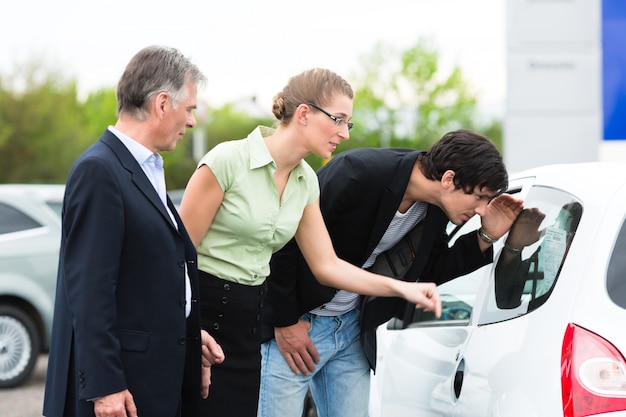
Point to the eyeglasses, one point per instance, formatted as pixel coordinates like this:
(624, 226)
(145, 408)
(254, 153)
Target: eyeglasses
(338, 120)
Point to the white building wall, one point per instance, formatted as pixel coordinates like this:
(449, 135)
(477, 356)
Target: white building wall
(554, 85)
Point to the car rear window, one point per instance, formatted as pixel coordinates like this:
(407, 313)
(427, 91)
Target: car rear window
(616, 272)
(523, 281)
(13, 220)
(534, 272)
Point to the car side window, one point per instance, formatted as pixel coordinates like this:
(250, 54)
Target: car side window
(616, 272)
(13, 220)
(525, 275)
(56, 206)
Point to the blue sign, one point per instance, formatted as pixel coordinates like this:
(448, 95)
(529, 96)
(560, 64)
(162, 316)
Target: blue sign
(614, 68)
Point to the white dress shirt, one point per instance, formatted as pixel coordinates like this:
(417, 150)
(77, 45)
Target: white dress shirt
(152, 166)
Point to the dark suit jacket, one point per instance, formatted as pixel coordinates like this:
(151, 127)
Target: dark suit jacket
(360, 192)
(119, 319)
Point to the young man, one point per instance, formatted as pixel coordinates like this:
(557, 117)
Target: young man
(370, 199)
(126, 338)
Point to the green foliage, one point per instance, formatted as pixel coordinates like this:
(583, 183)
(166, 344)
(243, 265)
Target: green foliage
(179, 164)
(402, 99)
(42, 120)
(229, 123)
(100, 109)
(6, 128)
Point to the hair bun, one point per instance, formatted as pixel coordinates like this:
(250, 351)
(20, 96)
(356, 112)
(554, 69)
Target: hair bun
(278, 107)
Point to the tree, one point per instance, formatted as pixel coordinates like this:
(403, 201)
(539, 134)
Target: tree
(228, 123)
(402, 99)
(42, 122)
(100, 110)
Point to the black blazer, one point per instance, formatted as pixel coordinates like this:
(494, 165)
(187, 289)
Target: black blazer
(119, 319)
(361, 190)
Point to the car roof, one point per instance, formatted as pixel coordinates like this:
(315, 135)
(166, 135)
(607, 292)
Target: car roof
(48, 192)
(592, 177)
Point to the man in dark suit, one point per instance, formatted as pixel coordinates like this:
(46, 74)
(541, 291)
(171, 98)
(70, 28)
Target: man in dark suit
(126, 337)
(370, 199)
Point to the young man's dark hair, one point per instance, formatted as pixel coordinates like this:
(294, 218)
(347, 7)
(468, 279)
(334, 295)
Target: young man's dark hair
(474, 158)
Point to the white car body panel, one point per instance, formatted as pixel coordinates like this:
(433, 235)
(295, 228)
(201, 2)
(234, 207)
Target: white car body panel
(512, 368)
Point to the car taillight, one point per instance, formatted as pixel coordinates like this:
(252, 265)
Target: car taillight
(593, 374)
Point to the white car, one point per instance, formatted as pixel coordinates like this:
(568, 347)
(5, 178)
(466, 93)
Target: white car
(30, 238)
(553, 345)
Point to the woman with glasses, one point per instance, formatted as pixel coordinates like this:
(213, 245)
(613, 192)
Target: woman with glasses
(244, 202)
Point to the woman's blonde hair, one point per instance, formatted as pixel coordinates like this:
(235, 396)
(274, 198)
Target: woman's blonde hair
(317, 86)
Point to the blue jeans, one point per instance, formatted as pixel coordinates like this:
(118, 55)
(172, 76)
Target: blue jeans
(341, 381)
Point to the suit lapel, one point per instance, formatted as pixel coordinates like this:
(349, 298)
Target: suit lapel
(392, 197)
(139, 177)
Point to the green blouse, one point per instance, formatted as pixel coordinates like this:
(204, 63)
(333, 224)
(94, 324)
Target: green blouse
(251, 223)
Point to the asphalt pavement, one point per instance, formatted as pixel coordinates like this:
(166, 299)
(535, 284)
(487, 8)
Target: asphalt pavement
(26, 400)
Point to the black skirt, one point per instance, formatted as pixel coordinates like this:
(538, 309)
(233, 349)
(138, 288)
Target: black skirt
(231, 313)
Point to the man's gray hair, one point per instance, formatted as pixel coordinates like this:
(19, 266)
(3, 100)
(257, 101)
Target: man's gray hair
(152, 70)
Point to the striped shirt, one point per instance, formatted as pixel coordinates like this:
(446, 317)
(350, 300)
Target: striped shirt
(401, 224)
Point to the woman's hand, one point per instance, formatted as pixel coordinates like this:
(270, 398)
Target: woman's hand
(423, 294)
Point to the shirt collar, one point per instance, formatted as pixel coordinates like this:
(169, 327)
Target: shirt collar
(137, 150)
(259, 154)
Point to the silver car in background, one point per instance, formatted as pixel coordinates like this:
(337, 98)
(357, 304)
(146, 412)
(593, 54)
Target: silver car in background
(30, 236)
